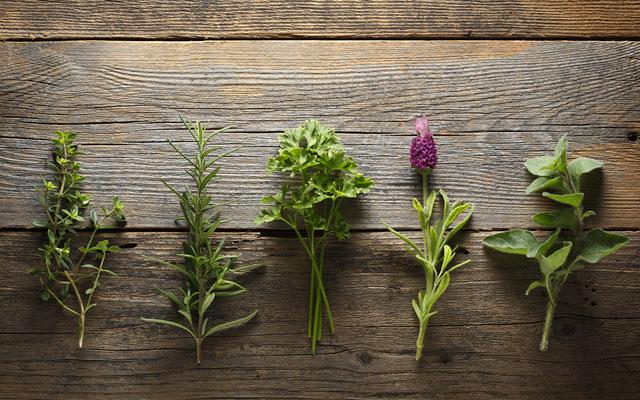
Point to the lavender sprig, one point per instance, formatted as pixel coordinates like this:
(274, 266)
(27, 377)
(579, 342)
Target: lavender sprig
(435, 254)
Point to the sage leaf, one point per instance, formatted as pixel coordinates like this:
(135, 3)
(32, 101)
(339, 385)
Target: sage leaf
(517, 241)
(572, 199)
(549, 264)
(541, 248)
(583, 165)
(598, 243)
(541, 166)
(534, 285)
(564, 218)
(544, 182)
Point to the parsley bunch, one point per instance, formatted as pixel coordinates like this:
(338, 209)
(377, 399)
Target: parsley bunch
(204, 267)
(569, 248)
(61, 272)
(321, 176)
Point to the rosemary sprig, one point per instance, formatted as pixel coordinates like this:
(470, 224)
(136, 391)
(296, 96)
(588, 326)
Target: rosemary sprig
(204, 266)
(63, 204)
(322, 176)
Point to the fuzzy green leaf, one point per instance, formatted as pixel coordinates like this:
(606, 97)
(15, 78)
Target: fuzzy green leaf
(541, 248)
(572, 199)
(583, 165)
(597, 244)
(564, 218)
(534, 285)
(516, 241)
(549, 264)
(544, 182)
(541, 166)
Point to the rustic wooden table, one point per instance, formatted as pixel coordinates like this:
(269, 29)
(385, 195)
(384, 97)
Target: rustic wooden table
(502, 81)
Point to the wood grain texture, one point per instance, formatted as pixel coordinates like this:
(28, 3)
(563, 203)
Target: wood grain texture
(483, 344)
(493, 105)
(193, 19)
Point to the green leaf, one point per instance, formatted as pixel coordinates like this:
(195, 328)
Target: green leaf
(170, 323)
(89, 290)
(541, 248)
(560, 154)
(583, 165)
(207, 303)
(572, 199)
(417, 206)
(441, 287)
(516, 241)
(588, 214)
(45, 295)
(549, 264)
(231, 324)
(405, 239)
(543, 182)
(541, 166)
(460, 225)
(534, 285)
(597, 244)
(562, 218)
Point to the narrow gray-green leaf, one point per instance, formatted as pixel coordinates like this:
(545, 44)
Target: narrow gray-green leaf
(170, 323)
(231, 324)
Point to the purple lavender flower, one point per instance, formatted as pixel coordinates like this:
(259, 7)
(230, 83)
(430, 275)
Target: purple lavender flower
(423, 153)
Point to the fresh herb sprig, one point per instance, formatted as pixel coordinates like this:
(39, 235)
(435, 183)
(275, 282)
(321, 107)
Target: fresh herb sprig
(204, 266)
(71, 279)
(322, 175)
(569, 248)
(435, 254)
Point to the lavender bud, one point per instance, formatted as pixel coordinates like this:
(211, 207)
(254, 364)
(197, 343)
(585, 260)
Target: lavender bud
(423, 153)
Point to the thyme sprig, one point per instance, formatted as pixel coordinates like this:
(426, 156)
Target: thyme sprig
(204, 267)
(569, 248)
(72, 283)
(322, 176)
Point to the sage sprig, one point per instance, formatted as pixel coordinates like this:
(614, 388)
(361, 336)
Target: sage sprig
(435, 254)
(204, 266)
(321, 177)
(569, 248)
(69, 278)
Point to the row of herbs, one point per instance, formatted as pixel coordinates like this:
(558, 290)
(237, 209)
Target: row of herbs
(319, 177)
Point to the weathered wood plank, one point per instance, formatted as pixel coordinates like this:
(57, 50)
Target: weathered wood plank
(319, 19)
(132, 91)
(484, 169)
(494, 104)
(483, 344)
